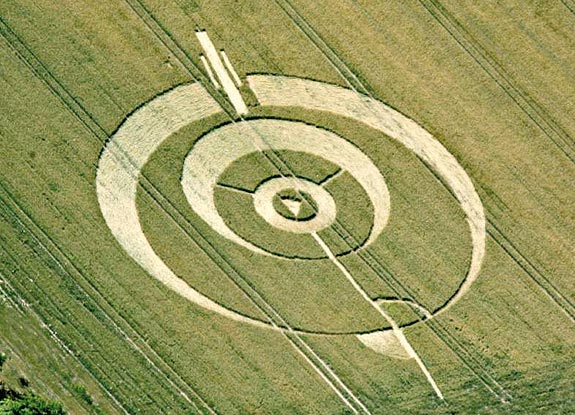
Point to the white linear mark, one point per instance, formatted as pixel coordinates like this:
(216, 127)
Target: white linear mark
(230, 67)
(209, 71)
(234, 189)
(214, 58)
(323, 376)
(332, 177)
(396, 329)
(333, 374)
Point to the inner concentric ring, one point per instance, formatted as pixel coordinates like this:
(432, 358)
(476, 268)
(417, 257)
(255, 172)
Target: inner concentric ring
(218, 149)
(325, 206)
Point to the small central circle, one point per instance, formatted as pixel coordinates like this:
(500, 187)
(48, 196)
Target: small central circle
(294, 204)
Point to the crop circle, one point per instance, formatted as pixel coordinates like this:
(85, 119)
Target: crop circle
(129, 149)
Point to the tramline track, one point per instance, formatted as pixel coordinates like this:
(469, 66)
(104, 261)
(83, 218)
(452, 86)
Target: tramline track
(87, 120)
(550, 128)
(99, 302)
(358, 86)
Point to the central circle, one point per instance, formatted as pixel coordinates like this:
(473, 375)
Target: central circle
(295, 205)
(321, 200)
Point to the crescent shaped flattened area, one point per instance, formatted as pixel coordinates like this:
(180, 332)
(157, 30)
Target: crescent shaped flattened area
(118, 175)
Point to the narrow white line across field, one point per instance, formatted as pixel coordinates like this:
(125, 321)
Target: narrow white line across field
(209, 71)
(61, 343)
(234, 189)
(324, 377)
(335, 376)
(228, 84)
(334, 176)
(231, 68)
(4, 296)
(396, 329)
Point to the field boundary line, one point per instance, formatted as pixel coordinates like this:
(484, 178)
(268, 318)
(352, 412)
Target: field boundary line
(75, 334)
(52, 309)
(47, 390)
(49, 307)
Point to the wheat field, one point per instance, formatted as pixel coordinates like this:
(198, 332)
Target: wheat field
(358, 208)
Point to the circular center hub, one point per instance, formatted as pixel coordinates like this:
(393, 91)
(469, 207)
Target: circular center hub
(295, 205)
(297, 196)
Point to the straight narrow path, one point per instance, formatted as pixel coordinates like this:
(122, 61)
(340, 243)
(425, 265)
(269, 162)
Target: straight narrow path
(396, 329)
